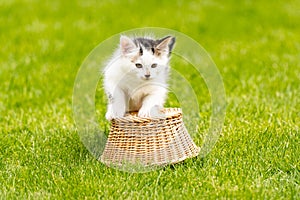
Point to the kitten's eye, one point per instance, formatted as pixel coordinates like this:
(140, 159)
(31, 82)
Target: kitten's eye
(138, 65)
(154, 65)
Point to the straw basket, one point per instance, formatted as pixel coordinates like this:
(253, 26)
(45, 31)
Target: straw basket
(148, 141)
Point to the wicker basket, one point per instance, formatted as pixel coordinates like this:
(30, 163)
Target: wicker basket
(148, 141)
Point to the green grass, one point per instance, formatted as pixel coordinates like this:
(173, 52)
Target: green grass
(256, 47)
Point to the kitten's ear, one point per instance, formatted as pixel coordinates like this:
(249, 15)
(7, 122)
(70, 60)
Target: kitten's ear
(126, 45)
(165, 44)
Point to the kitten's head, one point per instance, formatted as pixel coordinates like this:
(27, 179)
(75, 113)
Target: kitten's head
(148, 57)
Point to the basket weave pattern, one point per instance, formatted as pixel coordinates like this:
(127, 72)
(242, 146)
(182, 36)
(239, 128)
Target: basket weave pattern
(149, 141)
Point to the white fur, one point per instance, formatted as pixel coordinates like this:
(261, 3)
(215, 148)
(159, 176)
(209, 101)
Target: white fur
(127, 86)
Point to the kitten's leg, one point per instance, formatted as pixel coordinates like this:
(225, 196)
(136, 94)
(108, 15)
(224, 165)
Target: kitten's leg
(152, 105)
(117, 104)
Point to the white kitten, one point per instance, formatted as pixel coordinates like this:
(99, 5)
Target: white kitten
(135, 79)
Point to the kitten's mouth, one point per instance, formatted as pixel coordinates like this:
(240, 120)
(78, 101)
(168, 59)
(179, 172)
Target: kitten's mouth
(146, 78)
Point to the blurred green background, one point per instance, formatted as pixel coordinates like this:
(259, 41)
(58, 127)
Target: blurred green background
(256, 46)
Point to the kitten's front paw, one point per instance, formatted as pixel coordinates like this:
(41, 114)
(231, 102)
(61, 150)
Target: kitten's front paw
(110, 114)
(144, 113)
(155, 111)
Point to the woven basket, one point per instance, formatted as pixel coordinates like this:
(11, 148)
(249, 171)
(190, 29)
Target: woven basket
(148, 141)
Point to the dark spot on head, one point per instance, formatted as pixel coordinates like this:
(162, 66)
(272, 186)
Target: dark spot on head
(149, 44)
(141, 51)
(153, 51)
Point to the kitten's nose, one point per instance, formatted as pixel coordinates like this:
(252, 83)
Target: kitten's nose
(147, 75)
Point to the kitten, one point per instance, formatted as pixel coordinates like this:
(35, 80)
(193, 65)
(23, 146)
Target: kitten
(135, 79)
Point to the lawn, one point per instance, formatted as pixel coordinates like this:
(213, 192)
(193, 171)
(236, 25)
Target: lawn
(256, 47)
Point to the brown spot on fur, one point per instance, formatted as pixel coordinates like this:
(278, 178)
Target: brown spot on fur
(134, 58)
(157, 53)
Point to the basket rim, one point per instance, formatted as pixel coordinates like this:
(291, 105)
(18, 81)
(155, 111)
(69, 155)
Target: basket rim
(132, 116)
